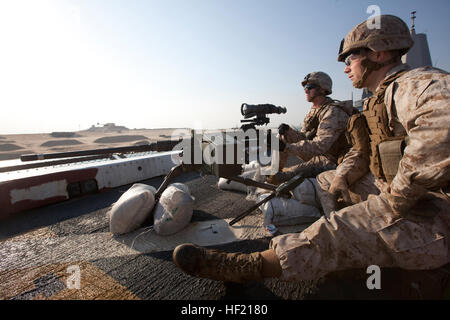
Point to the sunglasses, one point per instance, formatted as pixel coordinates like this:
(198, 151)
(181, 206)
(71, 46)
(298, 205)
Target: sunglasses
(352, 56)
(311, 86)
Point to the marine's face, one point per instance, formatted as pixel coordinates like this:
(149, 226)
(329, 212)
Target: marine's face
(311, 91)
(353, 68)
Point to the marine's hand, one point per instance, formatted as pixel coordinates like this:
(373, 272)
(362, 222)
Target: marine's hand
(283, 128)
(412, 208)
(339, 187)
(280, 177)
(289, 134)
(398, 204)
(339, 183)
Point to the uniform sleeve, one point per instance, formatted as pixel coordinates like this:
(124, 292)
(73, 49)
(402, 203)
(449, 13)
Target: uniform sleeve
(333, 122)
(426, 118)
(354, 166)
(293, 136)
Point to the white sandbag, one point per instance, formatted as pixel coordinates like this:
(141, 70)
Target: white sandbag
(287, 212)
(181, 186)
(305, 192)
(132, 208)
(249, 171)
(253, 171)
(174, 209)
(225, 184)
(252, 165)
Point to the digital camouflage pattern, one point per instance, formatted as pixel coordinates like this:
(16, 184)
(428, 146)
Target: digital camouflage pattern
(358, 191)
(371, 232)
(321, 79)
(319, 142)
(421, 105)
(393, 34)
(362, 235)
(332, 123)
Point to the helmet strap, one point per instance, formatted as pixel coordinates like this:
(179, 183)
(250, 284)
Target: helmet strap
(369, 66)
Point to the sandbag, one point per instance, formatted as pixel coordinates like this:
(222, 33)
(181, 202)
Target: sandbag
(225, 184)
(287, 212)
(305, 192)
(132, 208)
(174, 209)
(249, 171)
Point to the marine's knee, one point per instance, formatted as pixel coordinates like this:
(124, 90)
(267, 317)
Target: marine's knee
(325, 178)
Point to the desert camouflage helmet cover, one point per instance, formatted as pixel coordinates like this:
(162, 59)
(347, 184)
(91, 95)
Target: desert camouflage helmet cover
(392, 34)
(321, 79)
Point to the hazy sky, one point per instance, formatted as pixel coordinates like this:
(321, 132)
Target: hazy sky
(66, 65)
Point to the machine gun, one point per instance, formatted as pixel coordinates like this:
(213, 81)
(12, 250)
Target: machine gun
(222, 168)
(230, 171)
(259, 112)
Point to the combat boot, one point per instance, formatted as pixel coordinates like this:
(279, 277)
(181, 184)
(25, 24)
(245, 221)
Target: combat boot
(218, 265)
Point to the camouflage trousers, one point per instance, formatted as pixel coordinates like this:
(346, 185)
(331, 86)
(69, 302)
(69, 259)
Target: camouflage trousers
(364, 234)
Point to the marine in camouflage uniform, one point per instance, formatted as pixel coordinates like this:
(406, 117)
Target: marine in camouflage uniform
(408, 224)
(321, 142)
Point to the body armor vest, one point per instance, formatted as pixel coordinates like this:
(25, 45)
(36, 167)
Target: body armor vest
(341, 146)
(385, 148)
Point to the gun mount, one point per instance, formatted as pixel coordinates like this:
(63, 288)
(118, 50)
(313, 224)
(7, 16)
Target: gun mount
(230, 170)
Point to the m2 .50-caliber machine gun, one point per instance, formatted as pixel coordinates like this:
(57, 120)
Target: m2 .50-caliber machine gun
(226, 149)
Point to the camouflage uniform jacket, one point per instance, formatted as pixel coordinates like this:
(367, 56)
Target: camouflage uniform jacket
(418, 105)
(332, 124)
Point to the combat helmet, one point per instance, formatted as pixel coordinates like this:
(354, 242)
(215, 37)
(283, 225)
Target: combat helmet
(391, 34)
(319, 78)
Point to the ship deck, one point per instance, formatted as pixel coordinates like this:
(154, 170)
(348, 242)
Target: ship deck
(40, 248)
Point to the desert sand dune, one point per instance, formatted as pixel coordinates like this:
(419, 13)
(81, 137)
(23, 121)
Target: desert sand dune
(142, 143)
(54, 143)
(13, 155)
(9, 147)
(14, 145)
(63, 134)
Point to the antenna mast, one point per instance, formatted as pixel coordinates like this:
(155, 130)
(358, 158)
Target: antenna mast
(413, 25)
